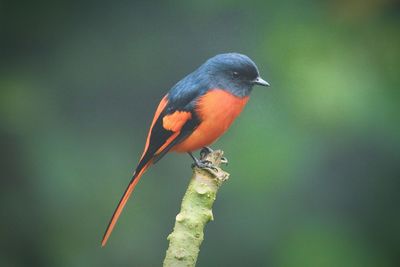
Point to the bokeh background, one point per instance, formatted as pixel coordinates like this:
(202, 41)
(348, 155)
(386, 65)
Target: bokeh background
(314, 159)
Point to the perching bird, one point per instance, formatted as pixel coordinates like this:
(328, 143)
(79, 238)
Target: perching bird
(195, 113)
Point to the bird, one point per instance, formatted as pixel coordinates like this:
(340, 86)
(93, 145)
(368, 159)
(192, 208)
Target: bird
(194, 114)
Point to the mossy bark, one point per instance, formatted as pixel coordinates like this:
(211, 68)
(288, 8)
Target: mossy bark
(195, 213)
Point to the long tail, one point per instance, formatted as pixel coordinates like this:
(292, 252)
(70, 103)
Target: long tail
(135, 179)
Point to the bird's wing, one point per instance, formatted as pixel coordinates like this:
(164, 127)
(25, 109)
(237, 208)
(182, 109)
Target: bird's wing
(175, 122)
(172, 123)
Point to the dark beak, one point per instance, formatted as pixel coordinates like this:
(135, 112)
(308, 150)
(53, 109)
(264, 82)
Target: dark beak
(260, 81)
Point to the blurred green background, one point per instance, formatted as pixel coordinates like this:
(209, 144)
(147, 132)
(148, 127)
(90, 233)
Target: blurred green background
(314, 160)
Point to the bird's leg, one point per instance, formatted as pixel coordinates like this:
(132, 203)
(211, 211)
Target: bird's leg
(202, 164)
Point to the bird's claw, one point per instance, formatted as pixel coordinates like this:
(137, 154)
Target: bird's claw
(224, 160)
(205, 151)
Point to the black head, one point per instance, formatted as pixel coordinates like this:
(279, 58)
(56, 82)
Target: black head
(233, 72)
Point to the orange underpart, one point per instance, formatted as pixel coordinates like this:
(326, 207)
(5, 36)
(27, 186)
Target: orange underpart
(217, 109)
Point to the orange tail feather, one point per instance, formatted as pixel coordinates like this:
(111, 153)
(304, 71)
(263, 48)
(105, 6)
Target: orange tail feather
(122, 203)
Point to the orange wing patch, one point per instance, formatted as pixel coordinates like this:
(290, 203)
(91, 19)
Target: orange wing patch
(175, 121)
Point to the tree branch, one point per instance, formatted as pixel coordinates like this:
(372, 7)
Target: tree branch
(196, 212)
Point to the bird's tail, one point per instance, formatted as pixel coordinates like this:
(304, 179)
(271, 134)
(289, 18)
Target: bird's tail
(135, 179)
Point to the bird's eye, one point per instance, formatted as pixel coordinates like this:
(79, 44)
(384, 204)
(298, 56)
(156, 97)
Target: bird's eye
(235, 74)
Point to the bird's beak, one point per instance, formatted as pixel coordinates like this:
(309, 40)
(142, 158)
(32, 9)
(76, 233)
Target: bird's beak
(260, 81)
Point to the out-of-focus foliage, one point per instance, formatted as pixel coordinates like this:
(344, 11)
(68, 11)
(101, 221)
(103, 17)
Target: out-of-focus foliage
(314, 160)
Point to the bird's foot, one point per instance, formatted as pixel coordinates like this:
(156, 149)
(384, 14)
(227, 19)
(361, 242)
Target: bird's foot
(205, 151)
(204, 164)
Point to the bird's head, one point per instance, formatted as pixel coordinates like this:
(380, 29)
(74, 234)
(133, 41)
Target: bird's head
(233, 72)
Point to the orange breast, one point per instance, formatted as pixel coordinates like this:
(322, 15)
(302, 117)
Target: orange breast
(217, 110)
